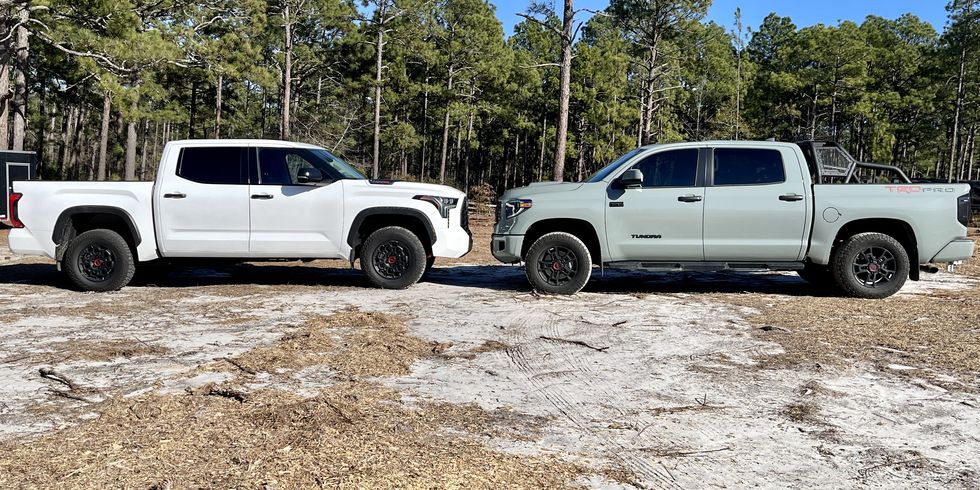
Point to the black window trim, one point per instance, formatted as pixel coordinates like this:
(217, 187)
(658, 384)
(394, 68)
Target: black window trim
(699, 179)
(710, 167)
(241, 151)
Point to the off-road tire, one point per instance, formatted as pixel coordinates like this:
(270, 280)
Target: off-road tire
(890, 256)
(558, 263)
(818, 276)
(393, 258)
(99, 260)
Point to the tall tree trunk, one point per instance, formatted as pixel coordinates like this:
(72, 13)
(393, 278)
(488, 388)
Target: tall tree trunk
(956, 115)
(78, 145)
(652, 77)
(67, 127)
(4, 96)
(219, 91)
(564, 90)
(191, 120)
(466, 155)
(146, 130)
(445, 133)
(22, 47)
(104, 136)
(544, 134)
(130, 168)
(287, 74)
(379, 48)
(425, 130)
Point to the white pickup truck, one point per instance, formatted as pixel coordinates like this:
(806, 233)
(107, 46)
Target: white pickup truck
(248, 200)
(862, 228)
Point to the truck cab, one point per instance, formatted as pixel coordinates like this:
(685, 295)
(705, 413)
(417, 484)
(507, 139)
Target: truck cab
(735, 205)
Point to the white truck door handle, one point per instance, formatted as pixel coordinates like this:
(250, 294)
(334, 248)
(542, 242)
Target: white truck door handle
(689, 198)
(262, 196)
(790, 197)
(174, 195)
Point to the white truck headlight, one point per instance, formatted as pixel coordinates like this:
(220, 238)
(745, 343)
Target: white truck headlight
(443, 204)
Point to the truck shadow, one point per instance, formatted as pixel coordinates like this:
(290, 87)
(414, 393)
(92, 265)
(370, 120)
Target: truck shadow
(492, 277)
(512, 278)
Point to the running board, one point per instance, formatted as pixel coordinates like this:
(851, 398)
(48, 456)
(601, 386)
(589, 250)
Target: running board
(704, 266)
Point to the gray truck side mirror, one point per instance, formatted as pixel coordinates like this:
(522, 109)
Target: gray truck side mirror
(631, 179)
(309, 175)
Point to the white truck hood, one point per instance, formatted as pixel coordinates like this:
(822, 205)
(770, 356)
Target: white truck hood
(409, 189)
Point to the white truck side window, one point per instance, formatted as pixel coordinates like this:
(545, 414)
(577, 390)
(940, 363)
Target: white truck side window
(213, 165)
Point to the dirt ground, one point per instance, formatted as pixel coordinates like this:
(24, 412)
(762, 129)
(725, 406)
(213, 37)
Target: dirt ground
(296, 375)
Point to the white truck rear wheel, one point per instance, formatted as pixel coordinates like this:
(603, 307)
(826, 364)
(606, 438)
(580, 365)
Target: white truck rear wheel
(99, 260)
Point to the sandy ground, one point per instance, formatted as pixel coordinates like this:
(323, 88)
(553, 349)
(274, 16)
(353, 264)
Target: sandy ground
(659, 377)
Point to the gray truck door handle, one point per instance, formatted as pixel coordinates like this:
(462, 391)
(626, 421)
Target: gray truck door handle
(261, 196)
(689, 198)
(174, 195)
(790, 197)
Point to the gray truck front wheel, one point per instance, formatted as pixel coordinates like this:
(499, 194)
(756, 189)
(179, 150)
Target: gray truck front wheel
(393, 258)
(558, 263)
(99, 260)
(870, 266)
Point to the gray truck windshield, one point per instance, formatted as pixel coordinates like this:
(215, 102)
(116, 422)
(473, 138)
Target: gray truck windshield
(608, 169)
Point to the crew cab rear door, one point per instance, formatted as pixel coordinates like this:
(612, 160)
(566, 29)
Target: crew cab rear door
(291, 219)
(756, 206)
(662, 220)
(201, 208)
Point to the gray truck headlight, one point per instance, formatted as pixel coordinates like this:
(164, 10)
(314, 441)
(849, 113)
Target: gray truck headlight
(443, 204)
(515, 207)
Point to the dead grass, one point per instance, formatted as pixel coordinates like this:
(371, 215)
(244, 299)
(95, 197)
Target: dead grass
(353, 435)
(97, 350)
(939, 331)
(490, 346)
(351, 342)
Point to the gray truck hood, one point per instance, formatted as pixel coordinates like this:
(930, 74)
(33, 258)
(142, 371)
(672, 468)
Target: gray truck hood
(539, 188)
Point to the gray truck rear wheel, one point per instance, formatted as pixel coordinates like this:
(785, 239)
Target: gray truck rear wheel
(870, 266)
(558, 263)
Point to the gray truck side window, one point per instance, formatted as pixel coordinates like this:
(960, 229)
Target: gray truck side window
(213, 165)
(674, 168)
(747, 166)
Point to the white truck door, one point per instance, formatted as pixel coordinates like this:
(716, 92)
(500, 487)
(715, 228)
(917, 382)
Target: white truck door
(202, 206)
(755, 206)
(290, 218)
(661, 220)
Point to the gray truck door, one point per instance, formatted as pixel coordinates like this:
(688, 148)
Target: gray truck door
(663, 219)
(755, 205)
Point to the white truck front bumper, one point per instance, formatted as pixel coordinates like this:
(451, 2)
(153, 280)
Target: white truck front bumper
(452, 242)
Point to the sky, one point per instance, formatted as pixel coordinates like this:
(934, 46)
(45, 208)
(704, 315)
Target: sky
(802, 12)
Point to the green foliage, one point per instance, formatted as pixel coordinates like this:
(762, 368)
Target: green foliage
(891, 90)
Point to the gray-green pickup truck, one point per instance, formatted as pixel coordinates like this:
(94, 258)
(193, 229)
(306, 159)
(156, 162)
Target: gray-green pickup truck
(860, 228)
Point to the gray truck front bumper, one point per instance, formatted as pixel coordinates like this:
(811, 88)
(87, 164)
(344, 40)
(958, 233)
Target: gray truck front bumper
(506, 248)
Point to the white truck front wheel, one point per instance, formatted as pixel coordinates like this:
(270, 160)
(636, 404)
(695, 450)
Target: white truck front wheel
(393, 258)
